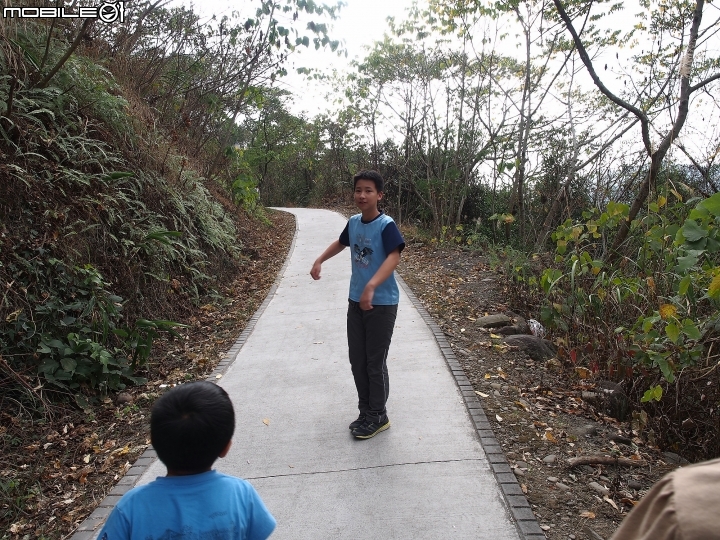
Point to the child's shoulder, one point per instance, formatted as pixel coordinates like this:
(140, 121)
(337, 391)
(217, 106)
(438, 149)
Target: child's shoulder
(381, 219)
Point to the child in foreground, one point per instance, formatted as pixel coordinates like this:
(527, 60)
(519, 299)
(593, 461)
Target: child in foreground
(191, 426)
(373, 299)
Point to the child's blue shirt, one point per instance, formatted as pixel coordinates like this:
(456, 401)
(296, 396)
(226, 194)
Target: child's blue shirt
(200, 506)
(369, 245)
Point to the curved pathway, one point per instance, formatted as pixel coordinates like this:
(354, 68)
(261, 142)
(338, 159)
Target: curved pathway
(436, 474)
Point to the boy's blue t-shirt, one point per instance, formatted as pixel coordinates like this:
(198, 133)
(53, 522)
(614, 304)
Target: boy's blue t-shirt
(369, 245)
(202, 506)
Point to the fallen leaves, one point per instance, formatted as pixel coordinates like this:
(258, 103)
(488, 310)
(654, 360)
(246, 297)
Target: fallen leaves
(531, 395)
(266, 421)
(583, 372)
(523, 404)
(611, 502)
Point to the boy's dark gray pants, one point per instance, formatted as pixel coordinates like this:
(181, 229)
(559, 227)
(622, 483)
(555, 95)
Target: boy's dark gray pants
(369, 334)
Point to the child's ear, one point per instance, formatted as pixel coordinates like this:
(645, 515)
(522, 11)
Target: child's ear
(380, 195)
(225, 450)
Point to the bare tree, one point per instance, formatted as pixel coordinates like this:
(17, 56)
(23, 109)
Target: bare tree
(665, 95)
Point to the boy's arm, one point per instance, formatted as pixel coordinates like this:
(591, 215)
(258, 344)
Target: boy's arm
(332, 250)
(385, 271)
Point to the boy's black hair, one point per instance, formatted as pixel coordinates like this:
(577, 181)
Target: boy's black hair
(190, 425)
(368, 174)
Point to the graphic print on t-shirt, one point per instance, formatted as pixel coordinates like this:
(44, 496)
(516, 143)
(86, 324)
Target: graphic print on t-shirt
(362, 254)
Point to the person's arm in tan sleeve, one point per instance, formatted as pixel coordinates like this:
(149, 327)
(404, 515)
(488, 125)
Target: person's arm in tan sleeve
(654, 518)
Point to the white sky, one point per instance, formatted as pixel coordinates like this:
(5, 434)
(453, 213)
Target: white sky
(359, 24)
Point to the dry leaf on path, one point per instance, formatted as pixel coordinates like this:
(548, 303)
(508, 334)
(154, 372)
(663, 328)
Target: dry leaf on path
(266, 421)
(523, 405)
(611, 502)
(583, 372)
(587, 514)
(481, 394)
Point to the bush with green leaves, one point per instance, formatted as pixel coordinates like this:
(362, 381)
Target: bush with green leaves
(69, 329)
(78, 231)
(656, 312)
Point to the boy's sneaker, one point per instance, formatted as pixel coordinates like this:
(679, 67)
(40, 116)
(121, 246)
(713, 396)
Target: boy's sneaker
(371, 427)
(357, 423)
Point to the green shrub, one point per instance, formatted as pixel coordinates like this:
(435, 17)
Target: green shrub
(69, 330)
(655, 312)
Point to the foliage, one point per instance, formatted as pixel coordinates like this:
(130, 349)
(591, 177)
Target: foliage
(67, 326)
(661, 307)
(89, 253)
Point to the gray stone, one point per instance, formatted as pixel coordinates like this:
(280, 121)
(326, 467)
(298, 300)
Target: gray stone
(552, 458)
(536, 348)
(634, 484)
(675, 459)
(513, 330)
(552, 479)
(610, 397)
(518, 471)
(600, 489)
(495, 386)
(493, 321)
(521, 464)
(562, 486)
(124, 398)
(582, 431)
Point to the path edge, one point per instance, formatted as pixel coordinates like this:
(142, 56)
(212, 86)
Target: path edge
(91, 525)
(518, 505)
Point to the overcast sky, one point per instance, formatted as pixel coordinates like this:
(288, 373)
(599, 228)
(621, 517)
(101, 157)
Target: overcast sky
(359, 24)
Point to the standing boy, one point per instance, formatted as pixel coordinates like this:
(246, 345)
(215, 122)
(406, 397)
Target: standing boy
(190, 427)
(373, 300)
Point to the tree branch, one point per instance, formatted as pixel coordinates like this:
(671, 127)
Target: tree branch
(86, 25)
(596, 79)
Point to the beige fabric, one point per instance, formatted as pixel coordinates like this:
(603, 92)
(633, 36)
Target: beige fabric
(683, 505)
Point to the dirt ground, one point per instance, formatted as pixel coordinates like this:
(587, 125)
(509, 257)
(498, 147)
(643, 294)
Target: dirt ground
(536, 408)
(55, 470)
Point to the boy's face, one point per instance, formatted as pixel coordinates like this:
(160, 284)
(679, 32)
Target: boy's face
(367, 195)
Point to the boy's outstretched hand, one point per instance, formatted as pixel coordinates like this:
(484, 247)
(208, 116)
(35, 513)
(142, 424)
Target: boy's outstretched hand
(332, 250)
(315, 270)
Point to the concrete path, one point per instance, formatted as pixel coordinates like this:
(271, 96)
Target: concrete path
(427, 477)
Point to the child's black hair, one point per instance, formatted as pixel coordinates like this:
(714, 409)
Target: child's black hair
(190, 426)
(370, 175)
